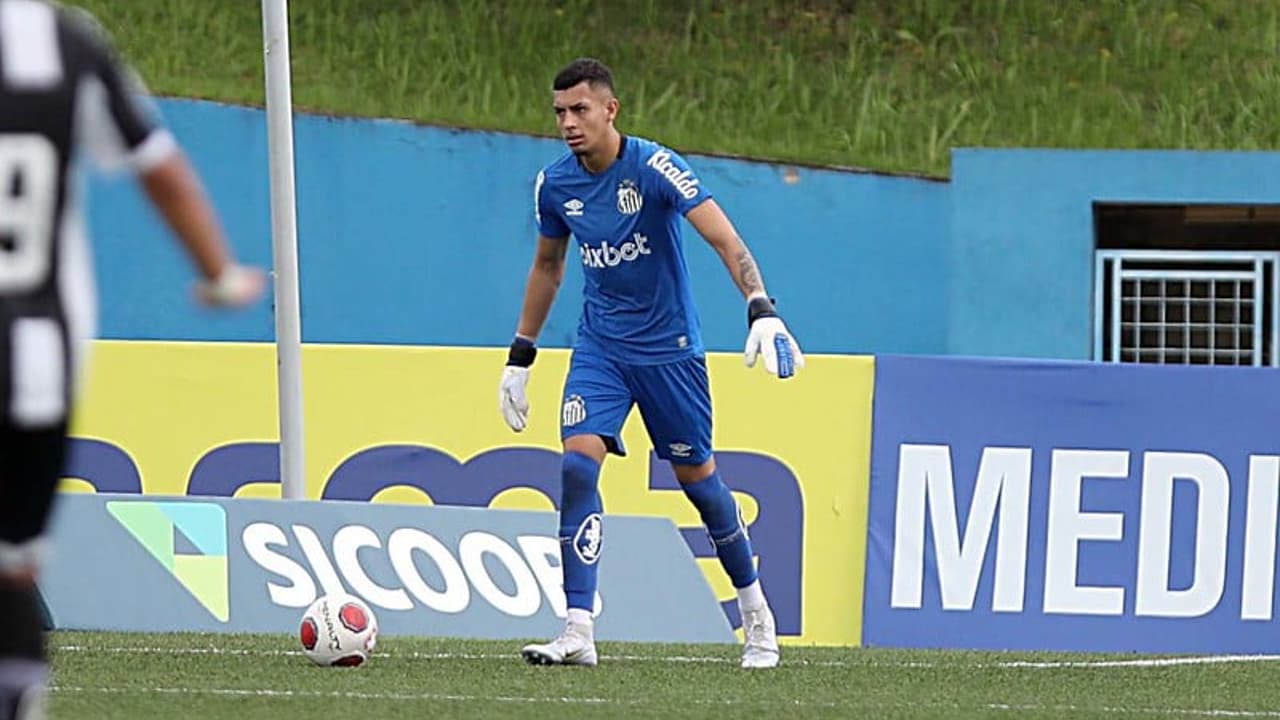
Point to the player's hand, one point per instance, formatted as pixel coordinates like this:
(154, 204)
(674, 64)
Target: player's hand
(511, 397)
(768, 336)
(236, 286)
(512, 400)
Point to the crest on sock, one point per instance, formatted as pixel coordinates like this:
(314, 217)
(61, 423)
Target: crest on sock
(587, 541)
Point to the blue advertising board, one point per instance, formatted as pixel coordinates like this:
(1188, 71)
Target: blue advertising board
(1073, 506)
(170, 564)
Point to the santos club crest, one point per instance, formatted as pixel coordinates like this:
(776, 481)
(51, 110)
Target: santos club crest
(629, 198)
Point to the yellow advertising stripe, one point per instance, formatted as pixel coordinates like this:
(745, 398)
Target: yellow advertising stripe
(168, 404)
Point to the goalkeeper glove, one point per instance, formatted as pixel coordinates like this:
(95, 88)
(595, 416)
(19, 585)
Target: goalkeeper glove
(768, 336)
(511, 396)
(235, 286)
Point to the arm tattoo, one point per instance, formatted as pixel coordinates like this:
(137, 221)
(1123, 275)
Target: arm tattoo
(748, 275)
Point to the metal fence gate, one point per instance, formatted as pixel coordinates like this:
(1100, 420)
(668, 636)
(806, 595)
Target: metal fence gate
(1186, 307)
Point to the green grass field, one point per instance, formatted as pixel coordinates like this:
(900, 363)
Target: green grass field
(882, 84)
(109, 676)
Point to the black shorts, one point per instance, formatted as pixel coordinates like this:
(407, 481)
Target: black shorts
(31, 465)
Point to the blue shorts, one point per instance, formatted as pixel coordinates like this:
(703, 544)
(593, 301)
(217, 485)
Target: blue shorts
(674, 401)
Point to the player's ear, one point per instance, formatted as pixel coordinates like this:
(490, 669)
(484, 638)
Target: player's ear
(611, 108)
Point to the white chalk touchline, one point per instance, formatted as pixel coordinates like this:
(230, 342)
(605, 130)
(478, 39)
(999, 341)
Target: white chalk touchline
(254, 692)
(437, 697)
(1174, 712)
(414, 655)
(1144, 662)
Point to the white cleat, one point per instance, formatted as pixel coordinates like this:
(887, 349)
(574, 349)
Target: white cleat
(575, 646)
(760, 650)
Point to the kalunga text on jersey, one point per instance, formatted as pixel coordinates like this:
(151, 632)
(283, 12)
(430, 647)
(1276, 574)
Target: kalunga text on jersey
(609, 256)
(683, 180)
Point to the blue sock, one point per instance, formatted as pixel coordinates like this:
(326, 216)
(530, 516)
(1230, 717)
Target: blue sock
(720, 514)
(580, 529)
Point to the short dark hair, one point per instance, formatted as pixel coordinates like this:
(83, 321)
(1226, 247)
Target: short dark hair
(588, 70)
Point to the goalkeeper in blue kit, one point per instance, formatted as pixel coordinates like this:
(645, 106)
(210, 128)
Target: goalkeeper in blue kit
(638, 342)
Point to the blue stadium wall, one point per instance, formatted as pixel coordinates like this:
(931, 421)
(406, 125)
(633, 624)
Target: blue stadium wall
(422, 236)
(1021, 235)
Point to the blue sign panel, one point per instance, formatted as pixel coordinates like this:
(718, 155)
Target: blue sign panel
(121, 562)
(1073, 506)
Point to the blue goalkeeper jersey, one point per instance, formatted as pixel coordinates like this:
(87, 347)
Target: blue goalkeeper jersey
(637, 303)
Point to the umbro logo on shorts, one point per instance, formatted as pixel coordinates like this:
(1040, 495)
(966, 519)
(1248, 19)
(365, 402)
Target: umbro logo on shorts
(574, 411)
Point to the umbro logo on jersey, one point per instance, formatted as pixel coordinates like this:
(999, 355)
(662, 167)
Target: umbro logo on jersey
(683, 180)
(573, 208)
(609, 256)
(629, 198)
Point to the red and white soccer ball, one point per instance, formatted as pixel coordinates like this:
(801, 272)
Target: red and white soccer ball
(338, 630)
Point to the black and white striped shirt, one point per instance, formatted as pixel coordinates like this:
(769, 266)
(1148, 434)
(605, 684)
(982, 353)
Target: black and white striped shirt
(63, 94)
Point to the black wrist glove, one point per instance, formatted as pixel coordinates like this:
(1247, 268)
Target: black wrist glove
(522, 352)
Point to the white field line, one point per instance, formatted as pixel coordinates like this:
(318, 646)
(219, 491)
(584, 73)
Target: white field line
(1172, 712)
(254, 692)
(1017, 664)
(437, 697)
(1143, 662)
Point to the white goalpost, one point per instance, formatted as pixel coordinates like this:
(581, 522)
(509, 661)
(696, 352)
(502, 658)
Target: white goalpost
(284, 243)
